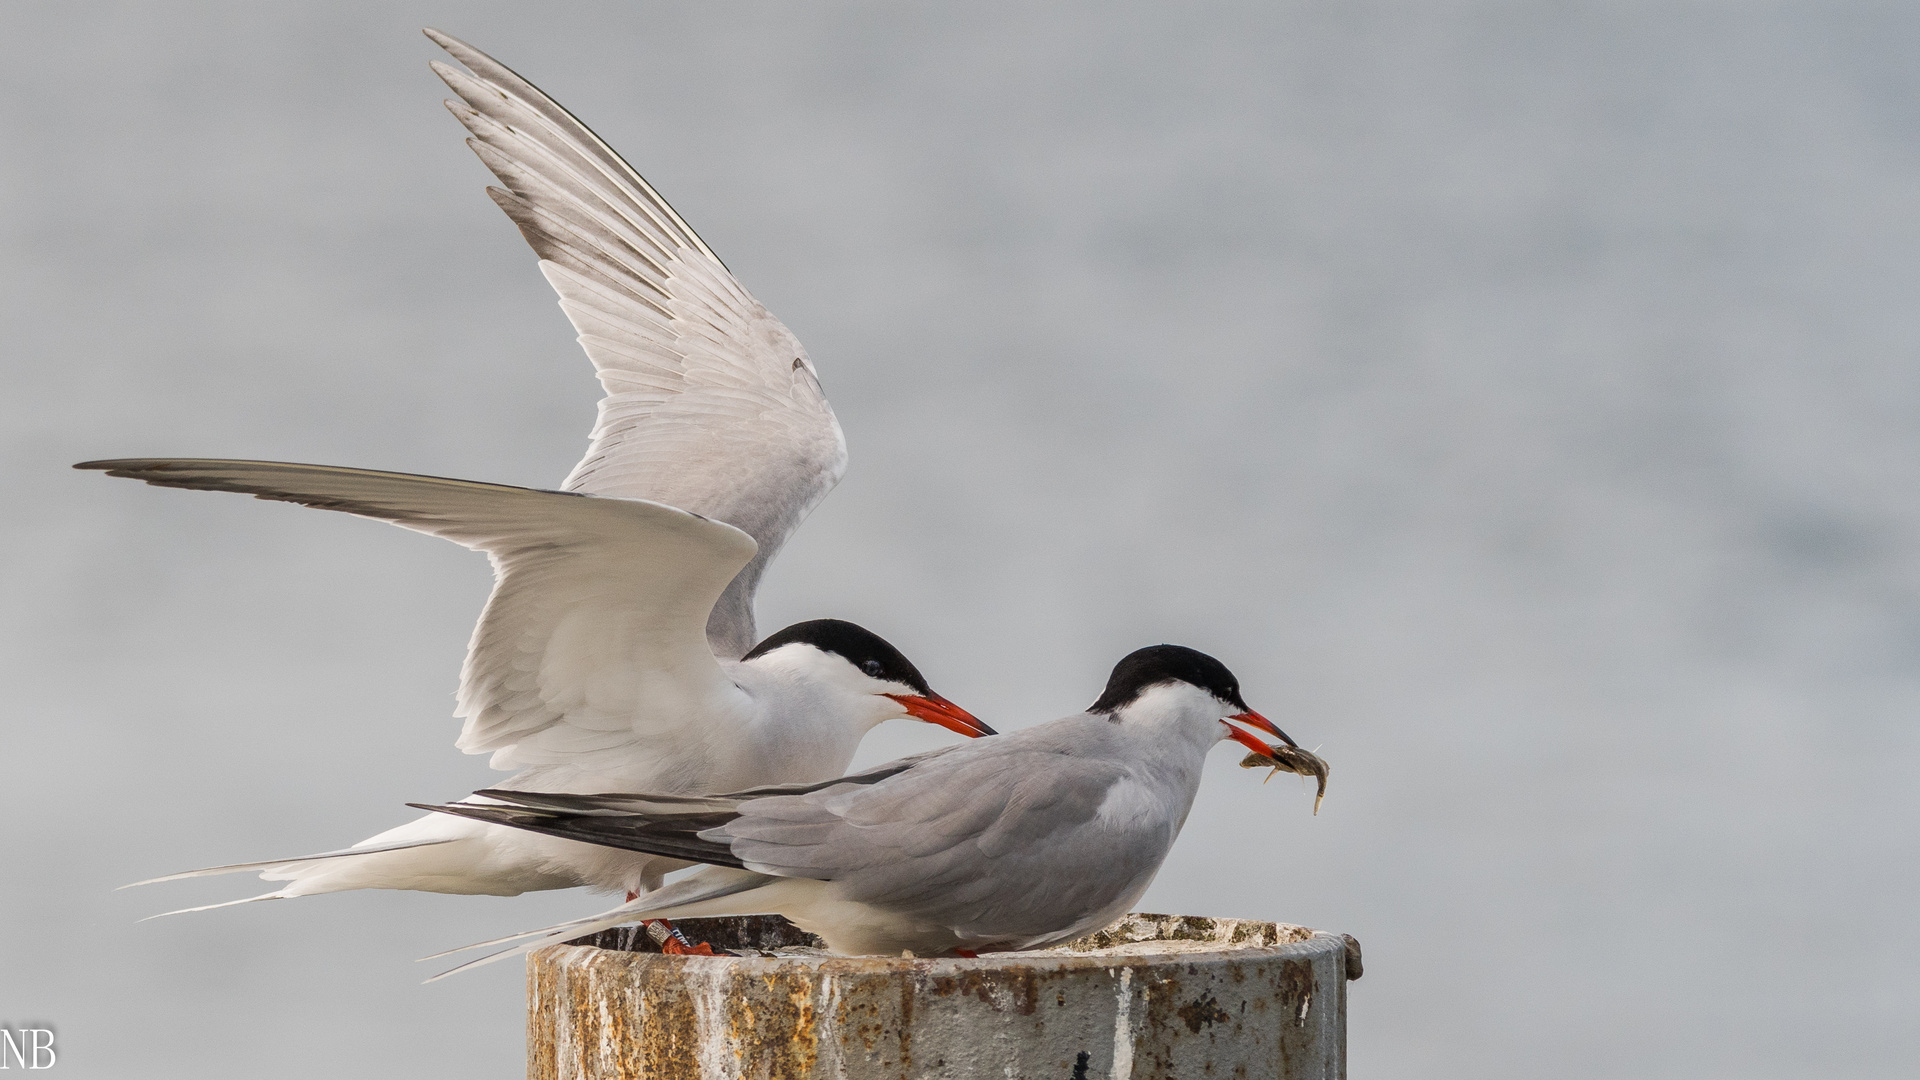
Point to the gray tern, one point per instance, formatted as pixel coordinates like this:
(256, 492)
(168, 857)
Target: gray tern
(1020, 841)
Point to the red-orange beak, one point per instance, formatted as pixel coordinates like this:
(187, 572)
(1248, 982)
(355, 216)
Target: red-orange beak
(1247, 740)
(935, 709)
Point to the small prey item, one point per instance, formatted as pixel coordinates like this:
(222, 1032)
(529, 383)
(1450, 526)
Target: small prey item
(1294, 760)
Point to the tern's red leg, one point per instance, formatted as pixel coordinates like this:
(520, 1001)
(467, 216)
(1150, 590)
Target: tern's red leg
(968, 953)
(673, 942)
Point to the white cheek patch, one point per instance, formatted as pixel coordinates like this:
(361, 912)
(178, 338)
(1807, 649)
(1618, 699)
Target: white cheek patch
(831, 690)
(809, 665)
(1164, 698)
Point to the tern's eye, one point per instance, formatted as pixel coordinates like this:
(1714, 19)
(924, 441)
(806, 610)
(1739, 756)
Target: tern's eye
(873, 668)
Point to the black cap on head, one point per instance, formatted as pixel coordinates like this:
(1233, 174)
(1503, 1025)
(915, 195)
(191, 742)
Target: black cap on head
(856, 644)
(1158, 664)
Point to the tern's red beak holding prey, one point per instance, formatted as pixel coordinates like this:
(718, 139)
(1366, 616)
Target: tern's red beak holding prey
(1247, 739)
(935, 709)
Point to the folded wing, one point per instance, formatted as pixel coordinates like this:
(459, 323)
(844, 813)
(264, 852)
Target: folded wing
(1021, 837)
(1007, 836)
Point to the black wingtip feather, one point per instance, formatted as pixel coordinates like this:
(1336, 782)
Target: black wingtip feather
(117, 466)
(498, 815)
(674, 838)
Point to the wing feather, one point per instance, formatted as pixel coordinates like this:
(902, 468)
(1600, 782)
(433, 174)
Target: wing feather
(1003, 832)
(995, 838)
(711, 404)
(593, 638)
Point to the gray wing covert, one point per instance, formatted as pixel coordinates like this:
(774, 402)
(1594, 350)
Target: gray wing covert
(998, 842)
(711, 404)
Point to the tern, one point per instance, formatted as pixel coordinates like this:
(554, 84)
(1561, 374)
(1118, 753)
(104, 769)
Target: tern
(617, 650)
(1021, 841)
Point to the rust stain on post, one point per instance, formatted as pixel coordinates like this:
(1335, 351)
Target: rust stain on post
(1150, 996)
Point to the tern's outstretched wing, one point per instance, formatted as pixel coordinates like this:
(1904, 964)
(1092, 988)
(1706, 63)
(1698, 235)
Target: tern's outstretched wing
(711, 404)
(596, 601)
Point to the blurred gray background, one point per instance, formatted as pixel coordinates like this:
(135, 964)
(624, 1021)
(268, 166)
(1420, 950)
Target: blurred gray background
(1520, 397)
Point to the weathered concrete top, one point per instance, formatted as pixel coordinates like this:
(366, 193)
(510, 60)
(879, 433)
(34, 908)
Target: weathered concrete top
(1153, 995)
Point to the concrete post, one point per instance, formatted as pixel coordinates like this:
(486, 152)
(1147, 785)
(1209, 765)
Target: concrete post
(1153, 996)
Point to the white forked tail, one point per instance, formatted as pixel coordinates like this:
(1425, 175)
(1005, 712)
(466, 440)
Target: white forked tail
(267, 865)
(435, 853)
(328, 871)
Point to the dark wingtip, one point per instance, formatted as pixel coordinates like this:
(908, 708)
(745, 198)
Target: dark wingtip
(501, 815)
(543, 802)
(497, 815)
(132, 468)
(501, 794)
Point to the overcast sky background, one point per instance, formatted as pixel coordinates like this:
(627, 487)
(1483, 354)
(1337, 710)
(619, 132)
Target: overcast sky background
(1520, 397)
